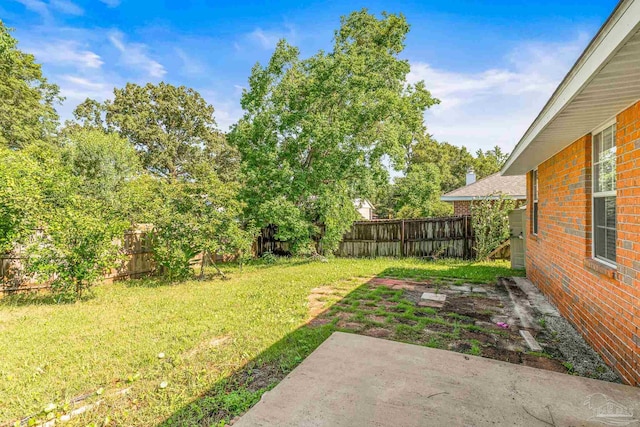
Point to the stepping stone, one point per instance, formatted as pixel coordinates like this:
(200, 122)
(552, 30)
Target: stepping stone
(530, 340)
(434, 297)
(431, 304)
(469, 289)
(429, 299)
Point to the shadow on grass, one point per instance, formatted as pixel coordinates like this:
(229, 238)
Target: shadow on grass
(230, 269)
(235, 394)
(473, 272)
(42, 297)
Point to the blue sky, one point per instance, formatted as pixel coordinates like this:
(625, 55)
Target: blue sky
(492, 63)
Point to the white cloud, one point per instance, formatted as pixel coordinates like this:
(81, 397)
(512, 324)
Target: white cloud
(44, 9)
(190, 65)
(111, 3)
(269, 39)
(495, 106)
(266, 39)
(77, 88)
(227, 110)
(135, 55)
(67, 52)
(66, 6)
(37, 6)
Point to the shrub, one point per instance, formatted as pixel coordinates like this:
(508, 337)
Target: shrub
(490, 220)
(78, 244)
(191, 218)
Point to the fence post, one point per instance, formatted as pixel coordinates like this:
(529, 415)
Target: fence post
(402, 238)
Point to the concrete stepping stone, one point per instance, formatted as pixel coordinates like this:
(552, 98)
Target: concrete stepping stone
(530, 340)
(430, 304)
(476, 289)
(434, 297)
(429, 299)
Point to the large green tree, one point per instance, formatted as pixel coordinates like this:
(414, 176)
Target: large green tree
(489, 161)
(27, 100)
(452, 161)
(417, 194)
(315, 131)
(172, 128)
(106, 163)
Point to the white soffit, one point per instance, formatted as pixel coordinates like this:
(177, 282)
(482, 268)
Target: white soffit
(602, 83)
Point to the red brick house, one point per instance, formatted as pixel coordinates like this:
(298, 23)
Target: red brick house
(490, 187)
(582, 160)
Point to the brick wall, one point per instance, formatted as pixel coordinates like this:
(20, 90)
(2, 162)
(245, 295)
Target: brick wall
(462, 208)
(601, 302)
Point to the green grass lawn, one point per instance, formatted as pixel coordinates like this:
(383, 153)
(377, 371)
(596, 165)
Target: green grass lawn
(224, 341)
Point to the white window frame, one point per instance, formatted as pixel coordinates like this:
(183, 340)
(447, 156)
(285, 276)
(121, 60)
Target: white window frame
(535, 207)
(601, 194)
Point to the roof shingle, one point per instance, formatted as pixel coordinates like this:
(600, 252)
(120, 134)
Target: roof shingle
(492, 185)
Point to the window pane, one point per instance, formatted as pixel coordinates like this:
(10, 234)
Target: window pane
(599, 240)
(611, 245)
(535, 218)
(610, 212)
(597, 143)
(607, 139)
(599, 211)
(605, 176)
(604, 160)
(604, 215)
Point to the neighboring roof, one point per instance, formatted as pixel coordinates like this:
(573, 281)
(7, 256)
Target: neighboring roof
(603, 82)
(490, 187)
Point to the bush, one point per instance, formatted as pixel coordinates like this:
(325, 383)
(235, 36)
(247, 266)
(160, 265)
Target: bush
(196, 217)
(78, 245)
(490, 220)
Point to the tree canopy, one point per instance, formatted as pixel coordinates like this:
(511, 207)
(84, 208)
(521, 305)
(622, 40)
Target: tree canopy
(27, 112)
(316, 130)
(172, 128)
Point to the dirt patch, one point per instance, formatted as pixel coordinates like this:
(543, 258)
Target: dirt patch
(400, 283)
(387, 304)
(205, 345)
(478, 336)
(543, 363)
(316, 300)
(344, 316)
(460, 346)
(353, 326)
(438, 328)
(261, 377)
(377, 319)
(377, 332)
(480, 308)
(319, 321)
(409, 322)
(502, 354)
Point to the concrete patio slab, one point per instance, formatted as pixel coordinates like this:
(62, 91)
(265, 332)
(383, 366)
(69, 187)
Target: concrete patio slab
(353, 380)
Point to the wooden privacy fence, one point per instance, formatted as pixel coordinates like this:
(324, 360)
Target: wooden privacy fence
(267, 242)
(138, 261)
(450, 237)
